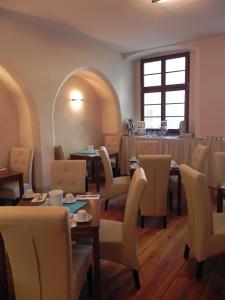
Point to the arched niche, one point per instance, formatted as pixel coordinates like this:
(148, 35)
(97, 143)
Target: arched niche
(99, 115)
(25, 110)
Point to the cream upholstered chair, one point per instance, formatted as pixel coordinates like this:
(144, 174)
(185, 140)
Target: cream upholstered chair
(118, 239)
(113, 144)
(154, 199)
(21, 159)
(205, 230)
(113, 186)
(219, 158)
(68, 175)
(38, 243)
(59, 153)
(198, 162)
(147, 147)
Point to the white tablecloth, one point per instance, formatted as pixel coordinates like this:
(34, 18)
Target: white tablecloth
(181, 150)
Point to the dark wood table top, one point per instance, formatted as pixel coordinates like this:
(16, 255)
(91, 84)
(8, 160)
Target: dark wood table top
(6, 173)
(87, 155)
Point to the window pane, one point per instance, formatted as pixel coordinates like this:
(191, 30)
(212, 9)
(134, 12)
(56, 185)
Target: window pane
(153, 123)
(152, 80)
(175, 77)
(173, 122)
(152, 110)
(175, 64)
(175, 97)
(175, 110)
(152, 67)
(152, 98)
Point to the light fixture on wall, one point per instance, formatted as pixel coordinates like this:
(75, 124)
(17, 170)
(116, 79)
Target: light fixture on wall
(154, 1)
(77, 99)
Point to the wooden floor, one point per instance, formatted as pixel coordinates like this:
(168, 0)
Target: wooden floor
(164, 273)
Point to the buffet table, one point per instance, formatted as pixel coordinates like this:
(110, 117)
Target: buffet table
(180, 148)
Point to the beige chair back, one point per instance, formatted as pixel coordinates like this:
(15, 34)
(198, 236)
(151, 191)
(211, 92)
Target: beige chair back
(147, 147)
(68, 175)
(219, 167)
(200, 221)
(199, 158)
(136, 190)
(154, 199)
(21, 159)
(112, 143)
(59, 154)
(37, 241)
(107, 167)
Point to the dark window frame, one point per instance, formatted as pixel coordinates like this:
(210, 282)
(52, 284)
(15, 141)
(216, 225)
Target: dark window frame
(163, 88)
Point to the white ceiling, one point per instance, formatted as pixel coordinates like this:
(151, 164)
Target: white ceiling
(127, 25)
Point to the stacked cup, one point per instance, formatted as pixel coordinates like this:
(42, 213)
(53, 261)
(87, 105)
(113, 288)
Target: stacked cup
(55, 198)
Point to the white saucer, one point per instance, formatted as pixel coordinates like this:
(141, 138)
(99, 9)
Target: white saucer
(76, 218)
(69, 201)
(30, 196)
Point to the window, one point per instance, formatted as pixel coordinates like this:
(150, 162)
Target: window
(165, 91)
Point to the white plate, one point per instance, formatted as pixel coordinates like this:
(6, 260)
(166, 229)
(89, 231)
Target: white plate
(76, 219)
(30, 196)
(69, 201)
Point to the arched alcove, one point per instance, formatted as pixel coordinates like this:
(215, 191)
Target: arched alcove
(99, 115)
(23, 108)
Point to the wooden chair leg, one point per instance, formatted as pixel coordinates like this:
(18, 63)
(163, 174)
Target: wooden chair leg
(164, 222)
(90, 281)
(199, 269)
(170, 200)
(106, 204)
(186, 251)
(86, 183)
(142, 221)
(136, 279)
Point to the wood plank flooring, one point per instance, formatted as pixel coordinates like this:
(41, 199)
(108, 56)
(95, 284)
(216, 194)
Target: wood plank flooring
(164, 273)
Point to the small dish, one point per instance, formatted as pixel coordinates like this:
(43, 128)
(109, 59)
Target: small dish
(70, 201)
(30, 196)
(76, 218)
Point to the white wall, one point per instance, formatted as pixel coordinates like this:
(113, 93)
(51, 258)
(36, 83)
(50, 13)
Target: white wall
(43, 58)
(207, 85)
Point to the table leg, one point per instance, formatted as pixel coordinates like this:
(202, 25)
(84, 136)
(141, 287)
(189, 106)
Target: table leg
(179, 190)
(97, 175)
(220, 195)
(97, 271)
(93, 170)
(21, 186)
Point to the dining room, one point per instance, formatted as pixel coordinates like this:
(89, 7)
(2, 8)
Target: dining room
(97, 87)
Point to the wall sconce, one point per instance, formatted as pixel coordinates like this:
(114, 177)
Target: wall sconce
(77, 99)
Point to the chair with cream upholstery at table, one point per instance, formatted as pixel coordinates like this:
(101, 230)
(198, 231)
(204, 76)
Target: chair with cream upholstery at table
(68, 175)
(21, 159)
(205, 231)
(198, 162)
(147, 148)
(59, 153)
(113, 186)
(118, 239)
(154, 199)
(113, 144)
(38, 243)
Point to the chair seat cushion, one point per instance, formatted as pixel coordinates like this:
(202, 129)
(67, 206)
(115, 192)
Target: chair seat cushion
(10, 190)
(81, 261)
(120, 186)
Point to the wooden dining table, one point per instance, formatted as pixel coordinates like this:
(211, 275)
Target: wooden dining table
(95, 160)
(7, 175)
(81, 230)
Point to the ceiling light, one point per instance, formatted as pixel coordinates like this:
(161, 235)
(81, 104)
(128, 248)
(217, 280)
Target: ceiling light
(154, 1)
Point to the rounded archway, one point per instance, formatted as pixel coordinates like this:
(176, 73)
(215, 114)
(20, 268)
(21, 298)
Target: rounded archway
(25, 127)
(100, 114)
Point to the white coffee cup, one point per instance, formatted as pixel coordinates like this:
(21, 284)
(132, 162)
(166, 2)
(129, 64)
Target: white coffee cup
(28, 193)
(69, 197)
(90, 149)
(55, 197)
(82, 215)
